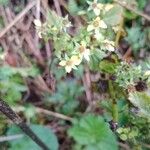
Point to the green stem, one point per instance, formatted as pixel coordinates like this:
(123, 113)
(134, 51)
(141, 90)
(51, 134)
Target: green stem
(114, 102)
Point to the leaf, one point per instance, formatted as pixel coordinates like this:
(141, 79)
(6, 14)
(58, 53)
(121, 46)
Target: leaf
(93, 133)
(4, 2)
(114, 16)
(73, 7)
(25, 143)
(108, 67)
(142, 101)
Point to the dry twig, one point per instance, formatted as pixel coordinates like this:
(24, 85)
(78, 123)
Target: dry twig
(18, 17)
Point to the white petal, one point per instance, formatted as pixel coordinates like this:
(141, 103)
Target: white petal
(40, 34)
(37, 23)
(102, 24)
(108, 7)
(90, 28)
(97, 11)
(62, 63)
(76, 60)
(87, 55)
(68, 69)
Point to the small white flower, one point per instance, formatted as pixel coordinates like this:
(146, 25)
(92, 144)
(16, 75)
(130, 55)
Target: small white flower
(84, 52)
(96, 7)
(96, 24)
(71, 63)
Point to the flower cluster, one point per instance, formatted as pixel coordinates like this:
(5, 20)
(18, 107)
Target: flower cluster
(92, 38)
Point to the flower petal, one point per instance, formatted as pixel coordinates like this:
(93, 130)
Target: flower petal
(68, 69)
(90, 28)
(62, 63)
(37, 23)
(102, 24)
(97, 11)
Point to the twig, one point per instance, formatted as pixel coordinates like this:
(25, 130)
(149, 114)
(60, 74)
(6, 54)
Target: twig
(10, 137)
(55, 114)
(57, 6)
(18, 17)
(5, 109)
(147, 17)
(87, 85)
(46, 112)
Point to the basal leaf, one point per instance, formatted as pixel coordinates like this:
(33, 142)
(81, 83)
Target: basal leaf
(93, 133)
(25, 143)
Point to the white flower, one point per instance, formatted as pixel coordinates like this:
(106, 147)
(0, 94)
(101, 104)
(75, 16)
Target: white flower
(84, 52)
(108, 45)
(96, 24)
(96, 7)
(71, 63)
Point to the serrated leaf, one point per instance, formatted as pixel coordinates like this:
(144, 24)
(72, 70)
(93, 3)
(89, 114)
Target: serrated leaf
(114, 16)
(92, 132)
(142, 101)
(25, 143)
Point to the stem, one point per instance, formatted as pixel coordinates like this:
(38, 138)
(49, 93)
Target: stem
(114, 103)
(5, 109)
(118, 36)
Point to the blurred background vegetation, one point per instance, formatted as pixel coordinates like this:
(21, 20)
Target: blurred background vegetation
(40, 91)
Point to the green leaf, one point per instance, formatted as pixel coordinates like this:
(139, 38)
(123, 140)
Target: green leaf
(92, 132)
(113, 16)
(108, 67)
(73, 7)
(4, 2)
(25, 143)
(142, 101)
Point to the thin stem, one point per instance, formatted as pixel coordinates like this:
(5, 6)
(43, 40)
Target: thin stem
(5, 109)
(114, 103)
(118, 36)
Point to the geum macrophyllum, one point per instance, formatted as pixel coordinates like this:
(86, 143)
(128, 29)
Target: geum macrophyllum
(96, 7)
(84, 51)
(96, 24)
(38, 26)
(71, 63)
